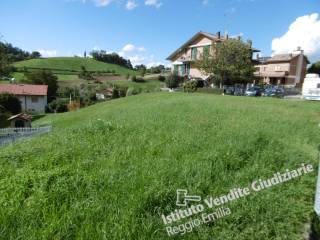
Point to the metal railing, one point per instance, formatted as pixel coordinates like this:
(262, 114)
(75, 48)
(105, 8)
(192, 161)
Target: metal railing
(11, 135)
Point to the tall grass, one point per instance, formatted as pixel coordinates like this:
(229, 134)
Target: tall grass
(109, 171)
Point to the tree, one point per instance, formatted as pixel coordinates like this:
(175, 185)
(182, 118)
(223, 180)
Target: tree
(44, 77)
(140, 67)
(157, 69)
(84, 74)
(10, 103)
(35, 54)
(113, 58)
(314, 68)
(229, 62)
(3, 60)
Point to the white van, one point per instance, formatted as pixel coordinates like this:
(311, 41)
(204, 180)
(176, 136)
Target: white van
(311, 87)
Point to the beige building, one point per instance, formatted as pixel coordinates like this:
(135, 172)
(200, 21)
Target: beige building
(184, 58)
(283, 69)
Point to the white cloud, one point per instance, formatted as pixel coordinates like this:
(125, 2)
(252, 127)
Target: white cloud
(102, 3)
(131, 5)
(132, 48)
(98, 3)
(137, 60)
(303, 32)
(153, 3)
(48, 53)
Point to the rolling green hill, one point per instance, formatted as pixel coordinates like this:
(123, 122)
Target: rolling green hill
(111, 170)
(64, 66)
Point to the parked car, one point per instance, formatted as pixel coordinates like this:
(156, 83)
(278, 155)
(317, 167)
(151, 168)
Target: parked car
(254, 91)
(274, 92)
(229, 90)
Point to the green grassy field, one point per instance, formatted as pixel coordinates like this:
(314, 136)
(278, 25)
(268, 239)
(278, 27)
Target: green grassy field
(68, 67)
(147, 86)
(109, 171)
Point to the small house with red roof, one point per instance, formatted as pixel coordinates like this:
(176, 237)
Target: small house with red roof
(33, 98)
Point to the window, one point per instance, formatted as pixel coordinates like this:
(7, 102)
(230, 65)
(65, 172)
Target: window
(175, 69)
(318, 85)
(183, 70)
(194, 52)
(34, 99)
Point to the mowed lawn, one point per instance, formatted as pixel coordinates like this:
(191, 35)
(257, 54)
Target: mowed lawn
(109, 171)
(68, 68)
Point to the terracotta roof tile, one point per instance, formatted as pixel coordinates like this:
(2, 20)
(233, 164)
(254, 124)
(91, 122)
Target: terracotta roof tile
(24, 89)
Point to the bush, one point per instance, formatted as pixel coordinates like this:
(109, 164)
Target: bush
(161, 78)
(190, 86)
(128, 76)
(173, 81)
(134, 78)
(59, 105)
(84, 74)
(218, 91)
(10, 103)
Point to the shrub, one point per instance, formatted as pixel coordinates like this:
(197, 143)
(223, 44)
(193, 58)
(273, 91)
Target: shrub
(173, 81)
(218, 91)
(73, 106)
(84, 74)
(161, 78)
(59, 105)
(10, 103)
(134, 78)
(190, 86)
(128, 76)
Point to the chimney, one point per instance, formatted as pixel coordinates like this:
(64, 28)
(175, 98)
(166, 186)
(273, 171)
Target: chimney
(218, 35)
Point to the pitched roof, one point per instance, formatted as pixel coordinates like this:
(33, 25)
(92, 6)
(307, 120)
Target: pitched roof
(24, 89)
(208, 35)
(282, 57)
(21, 116)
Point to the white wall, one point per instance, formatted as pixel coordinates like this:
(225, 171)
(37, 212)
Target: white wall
(28, 105)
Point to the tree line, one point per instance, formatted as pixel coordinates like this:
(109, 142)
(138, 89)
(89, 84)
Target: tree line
(113, 58)
(10, 54)
(15, 54)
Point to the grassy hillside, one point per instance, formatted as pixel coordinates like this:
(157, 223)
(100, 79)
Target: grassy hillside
(109, 171)
(68, 67)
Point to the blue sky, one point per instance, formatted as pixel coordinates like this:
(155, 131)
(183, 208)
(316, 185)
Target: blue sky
(147, 31)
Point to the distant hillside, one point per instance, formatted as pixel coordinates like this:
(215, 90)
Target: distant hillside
(71, 65)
